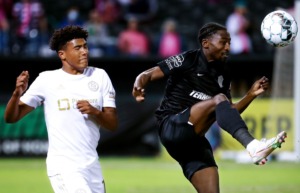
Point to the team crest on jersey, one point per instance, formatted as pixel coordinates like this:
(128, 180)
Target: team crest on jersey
(112, 94)
(175, 61)
(220, 81)
(93, 86)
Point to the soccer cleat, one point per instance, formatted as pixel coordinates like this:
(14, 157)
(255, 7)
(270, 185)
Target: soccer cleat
(260, 151)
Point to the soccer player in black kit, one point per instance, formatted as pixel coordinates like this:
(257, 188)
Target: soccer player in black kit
(196, 95)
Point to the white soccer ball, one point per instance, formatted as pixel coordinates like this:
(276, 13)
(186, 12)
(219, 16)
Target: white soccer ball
(279, 28)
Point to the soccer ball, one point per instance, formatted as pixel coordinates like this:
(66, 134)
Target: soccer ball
(279, 28)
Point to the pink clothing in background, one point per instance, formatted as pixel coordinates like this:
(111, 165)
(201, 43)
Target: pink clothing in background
(169, 45)
(133, 43)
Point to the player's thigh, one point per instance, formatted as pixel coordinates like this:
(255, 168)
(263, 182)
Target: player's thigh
(202, 115)
(206, 180)
(57, 183)
(72, 182)
(176, 129)
(96, 181)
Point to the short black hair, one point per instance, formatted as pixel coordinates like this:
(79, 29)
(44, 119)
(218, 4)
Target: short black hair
(209, 29)
(62, 35)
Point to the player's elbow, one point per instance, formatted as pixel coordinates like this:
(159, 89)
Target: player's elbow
(114, 126)
(8, 119)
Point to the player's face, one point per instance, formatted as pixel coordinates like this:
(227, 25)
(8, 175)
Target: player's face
(217, 47)
(75, 56)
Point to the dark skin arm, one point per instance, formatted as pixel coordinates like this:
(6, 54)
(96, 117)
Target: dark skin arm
(107, 118)
(142, 81)
(16, 109)
(258, 87)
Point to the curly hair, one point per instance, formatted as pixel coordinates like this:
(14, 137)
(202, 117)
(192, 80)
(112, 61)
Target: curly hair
(61, 36)
(208, 30)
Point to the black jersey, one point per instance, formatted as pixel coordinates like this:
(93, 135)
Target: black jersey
(191, 79)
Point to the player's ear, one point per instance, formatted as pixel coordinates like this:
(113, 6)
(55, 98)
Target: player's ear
(61, 55)
(205, 43)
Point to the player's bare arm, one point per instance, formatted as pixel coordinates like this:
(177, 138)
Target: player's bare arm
(143, 79)
(107, 118)
(258, 87)
(21, 83)
(15, 109)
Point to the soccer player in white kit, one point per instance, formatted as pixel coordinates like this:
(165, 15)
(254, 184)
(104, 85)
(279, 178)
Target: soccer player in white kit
(77, 100)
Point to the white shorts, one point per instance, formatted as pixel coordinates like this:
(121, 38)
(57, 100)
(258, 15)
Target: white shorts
(86, 181)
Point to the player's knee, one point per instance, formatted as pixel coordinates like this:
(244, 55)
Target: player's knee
(220, 98)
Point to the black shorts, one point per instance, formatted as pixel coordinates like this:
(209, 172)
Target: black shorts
(191, 151)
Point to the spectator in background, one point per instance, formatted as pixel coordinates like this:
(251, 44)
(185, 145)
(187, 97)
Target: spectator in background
(169, 42)
(5, 8)
(29, 27)
(109, 10)
(142, 10)
(132, 41)
(237, 24)
(100, 42)
(72, 17)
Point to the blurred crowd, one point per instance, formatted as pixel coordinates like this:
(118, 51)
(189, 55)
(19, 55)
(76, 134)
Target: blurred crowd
(117, 27)
(25, 26)
(114, 27)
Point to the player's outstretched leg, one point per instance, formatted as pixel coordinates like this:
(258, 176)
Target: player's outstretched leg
(259, 150)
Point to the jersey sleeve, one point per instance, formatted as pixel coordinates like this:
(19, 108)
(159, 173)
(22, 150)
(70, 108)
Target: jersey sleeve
(109, 94)
(176, 64)
(34, 94)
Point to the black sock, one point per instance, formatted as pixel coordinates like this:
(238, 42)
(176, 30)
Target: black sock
(243, 136)
(231, 121)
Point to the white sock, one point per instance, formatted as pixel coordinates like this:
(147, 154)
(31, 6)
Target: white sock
(251, 145)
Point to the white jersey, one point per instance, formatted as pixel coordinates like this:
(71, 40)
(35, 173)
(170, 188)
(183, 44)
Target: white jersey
(73, 136)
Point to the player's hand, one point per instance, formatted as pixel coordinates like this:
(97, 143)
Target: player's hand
(22, 83)
(139, 94)
(85, 107)
(260, 86)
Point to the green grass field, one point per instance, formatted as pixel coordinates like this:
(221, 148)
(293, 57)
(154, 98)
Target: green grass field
(155, 175)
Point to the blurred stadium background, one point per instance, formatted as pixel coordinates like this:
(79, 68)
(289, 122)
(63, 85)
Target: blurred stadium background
(136, 136)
